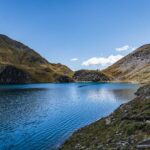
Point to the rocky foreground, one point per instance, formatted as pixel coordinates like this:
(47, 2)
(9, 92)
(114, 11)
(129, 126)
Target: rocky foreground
(127, 128)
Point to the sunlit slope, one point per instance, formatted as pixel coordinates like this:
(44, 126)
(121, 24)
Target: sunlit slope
(30, 63)
(133, 67)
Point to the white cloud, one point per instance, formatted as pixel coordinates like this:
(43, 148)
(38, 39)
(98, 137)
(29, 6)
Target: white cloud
(74, 59)
(133, 48)
(123, 48)
(103, 61)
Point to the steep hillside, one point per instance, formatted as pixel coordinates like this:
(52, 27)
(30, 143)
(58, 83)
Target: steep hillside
(90, 75)
(127, 128)
(134, 67)
(16, 57)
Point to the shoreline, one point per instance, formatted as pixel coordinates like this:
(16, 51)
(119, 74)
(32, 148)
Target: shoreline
(110, 81)
(122, 128)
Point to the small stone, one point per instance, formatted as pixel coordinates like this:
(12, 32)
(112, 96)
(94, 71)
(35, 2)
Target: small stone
(99, 147)
(147, 121)
(125, 110)
(108, 121)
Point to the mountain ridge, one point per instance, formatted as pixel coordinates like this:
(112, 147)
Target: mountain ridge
(135, 67)
(16, 54)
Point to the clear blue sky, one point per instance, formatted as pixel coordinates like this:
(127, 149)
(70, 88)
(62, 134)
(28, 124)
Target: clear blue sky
(64, 29)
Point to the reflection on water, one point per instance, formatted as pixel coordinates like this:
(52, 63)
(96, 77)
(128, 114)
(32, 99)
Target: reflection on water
(110, 95)
(42, 116)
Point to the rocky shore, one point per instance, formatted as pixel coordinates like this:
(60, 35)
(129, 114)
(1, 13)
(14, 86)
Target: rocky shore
(127, 128)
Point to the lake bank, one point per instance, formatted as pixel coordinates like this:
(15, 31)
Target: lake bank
(125, 128)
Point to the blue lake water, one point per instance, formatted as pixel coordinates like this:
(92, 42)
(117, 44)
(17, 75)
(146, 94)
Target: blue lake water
(42, 116)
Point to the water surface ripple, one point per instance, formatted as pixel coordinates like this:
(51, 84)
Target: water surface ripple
(42, 116)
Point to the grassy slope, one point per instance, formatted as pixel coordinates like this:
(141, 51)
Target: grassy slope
(19, 55)
(123, 129)
(133, 67)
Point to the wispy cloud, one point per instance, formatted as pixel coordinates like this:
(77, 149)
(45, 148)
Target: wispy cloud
(103, 61)
(133, 48)
(125, 48)
(74, 59)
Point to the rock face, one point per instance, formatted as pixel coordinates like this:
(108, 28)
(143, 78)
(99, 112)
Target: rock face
(12, 75)
(23, 65)
(64, 79)
(90, 75)
(134, 67)
(144, 91)
(126, 128)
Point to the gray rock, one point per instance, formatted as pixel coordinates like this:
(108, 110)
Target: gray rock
(12, 75)
(108, 121)
(145, 144)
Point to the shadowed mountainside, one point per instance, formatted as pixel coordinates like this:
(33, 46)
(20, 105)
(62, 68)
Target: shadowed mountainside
(134, 67)
(21, 64)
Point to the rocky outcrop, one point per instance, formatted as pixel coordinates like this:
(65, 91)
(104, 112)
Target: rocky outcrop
(144, 91)
(90, 75)
(38, 69)
(127, 128)
(64, 79)
(13, 75)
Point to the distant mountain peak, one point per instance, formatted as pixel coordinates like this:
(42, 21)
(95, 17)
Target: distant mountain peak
(24, 58)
